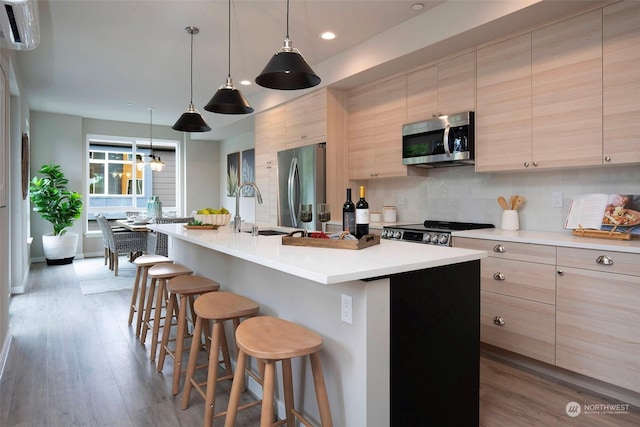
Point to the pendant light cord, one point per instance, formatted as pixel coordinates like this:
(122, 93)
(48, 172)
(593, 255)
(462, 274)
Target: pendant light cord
(229, 50)
(287, 19)
(151, 132)
(191, 80)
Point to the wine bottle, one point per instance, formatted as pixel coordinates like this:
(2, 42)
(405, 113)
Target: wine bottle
(349, 215)
(362, 215)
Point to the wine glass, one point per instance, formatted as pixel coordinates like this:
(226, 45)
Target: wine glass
(324, 215)
(306, 215)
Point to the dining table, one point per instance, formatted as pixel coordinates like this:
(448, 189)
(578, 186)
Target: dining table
(133, 226)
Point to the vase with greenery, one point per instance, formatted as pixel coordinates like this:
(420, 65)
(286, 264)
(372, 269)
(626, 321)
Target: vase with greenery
(60, 206)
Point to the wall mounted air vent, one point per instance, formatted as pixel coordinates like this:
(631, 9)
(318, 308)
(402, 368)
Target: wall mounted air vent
(19, 24)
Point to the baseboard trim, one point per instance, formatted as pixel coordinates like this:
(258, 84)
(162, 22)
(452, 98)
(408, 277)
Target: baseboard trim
(4, 354)
(561, 375)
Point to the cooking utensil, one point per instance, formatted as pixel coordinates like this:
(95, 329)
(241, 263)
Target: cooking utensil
(512, 201)
(503, 203)
(518, 202)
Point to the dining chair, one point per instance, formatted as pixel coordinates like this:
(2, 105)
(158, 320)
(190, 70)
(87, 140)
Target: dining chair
(130, 242)
(162, 244)
(105, 241)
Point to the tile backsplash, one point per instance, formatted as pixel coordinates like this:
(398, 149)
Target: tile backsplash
(461, 194)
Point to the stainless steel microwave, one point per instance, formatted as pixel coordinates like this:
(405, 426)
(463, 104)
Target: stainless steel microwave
(442, 141)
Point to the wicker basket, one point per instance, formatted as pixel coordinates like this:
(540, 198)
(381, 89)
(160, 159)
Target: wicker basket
(220, 219)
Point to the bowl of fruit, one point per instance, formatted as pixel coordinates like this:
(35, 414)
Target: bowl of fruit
(210, 216)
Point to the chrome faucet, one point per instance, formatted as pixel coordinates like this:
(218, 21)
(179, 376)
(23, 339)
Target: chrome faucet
(236, 219)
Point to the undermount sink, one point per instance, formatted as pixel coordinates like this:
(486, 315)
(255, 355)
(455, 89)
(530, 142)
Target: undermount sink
(269, 232)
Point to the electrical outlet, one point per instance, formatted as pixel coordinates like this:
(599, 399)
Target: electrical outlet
(556, 199)
(345, 309)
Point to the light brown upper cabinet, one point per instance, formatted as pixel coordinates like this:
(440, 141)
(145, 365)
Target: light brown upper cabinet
(447, 87)
(503, 111)
(567, 92)
(539, 99)
(306, 120)
(319, 116)
(621, 86)
(376, 115)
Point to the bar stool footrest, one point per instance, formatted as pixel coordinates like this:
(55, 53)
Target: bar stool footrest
(240, 408)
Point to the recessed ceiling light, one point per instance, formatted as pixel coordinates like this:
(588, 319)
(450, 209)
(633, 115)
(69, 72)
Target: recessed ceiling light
(245, 82)
(417, 6)
(328, 35)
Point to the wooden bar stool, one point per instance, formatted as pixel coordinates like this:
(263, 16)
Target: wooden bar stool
(187, 287)
(159, 274)
(143, 263)
(217, 307)
(270, 340)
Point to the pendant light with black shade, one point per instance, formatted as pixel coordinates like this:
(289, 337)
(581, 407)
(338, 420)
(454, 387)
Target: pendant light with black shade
(287, 69)
(191, 120)
(228, 99)
(155, 163)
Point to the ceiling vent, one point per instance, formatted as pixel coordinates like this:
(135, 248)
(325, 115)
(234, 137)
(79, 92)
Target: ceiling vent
(19, 24)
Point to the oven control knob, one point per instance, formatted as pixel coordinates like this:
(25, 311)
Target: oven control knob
(426, 238)
(434, 238)
(397, 235)
(383, 234)
(444, 239)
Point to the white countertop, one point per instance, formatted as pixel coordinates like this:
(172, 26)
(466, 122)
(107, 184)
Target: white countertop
(565, 239)
(326, 266)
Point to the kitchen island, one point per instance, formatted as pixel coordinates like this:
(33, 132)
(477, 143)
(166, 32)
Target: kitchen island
(411, 349)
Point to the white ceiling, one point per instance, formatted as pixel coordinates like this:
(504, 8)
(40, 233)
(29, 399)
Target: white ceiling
(115, 59)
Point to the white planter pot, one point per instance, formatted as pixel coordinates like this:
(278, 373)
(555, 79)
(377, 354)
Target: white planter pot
(59, 249)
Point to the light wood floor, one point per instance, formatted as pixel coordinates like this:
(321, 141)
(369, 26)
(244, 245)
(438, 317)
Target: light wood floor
(75, 362)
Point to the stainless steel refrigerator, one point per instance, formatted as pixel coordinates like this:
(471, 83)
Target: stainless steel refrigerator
(301, 179)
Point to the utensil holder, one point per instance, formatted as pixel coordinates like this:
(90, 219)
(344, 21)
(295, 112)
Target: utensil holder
(510, 220)
(389, 213)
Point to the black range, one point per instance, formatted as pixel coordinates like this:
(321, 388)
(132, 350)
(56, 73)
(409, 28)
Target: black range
(429, 232)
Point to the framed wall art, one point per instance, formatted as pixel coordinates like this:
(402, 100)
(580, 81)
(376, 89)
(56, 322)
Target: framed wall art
(233, 173)
(25, 166)
(248, 173)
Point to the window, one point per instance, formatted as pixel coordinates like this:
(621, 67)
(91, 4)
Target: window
(119, 180)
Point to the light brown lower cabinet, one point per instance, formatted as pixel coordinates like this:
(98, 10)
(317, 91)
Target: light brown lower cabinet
(517, 300)
(598, 315)
(578, 309)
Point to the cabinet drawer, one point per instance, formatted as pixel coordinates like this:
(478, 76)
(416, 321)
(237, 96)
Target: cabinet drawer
(594, 259)
(528, 328)
(510, 250)
(522, 279)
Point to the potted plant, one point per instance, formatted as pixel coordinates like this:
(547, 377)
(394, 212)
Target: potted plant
(61, 207)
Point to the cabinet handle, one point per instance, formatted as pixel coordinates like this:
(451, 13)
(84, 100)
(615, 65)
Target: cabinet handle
(498, 320)
(526, 164)
(607, 158)
(498, 276)
(604, 260)
(499, 249)
(560, 272)
(535, 164)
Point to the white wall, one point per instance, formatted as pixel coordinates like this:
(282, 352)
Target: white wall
(56, 138)
(202, 161)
